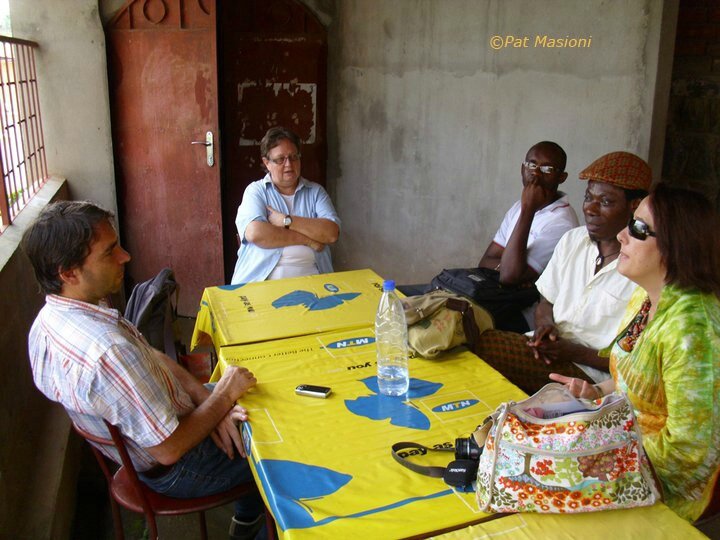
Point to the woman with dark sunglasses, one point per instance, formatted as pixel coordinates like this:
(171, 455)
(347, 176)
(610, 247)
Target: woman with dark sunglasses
(667, 358)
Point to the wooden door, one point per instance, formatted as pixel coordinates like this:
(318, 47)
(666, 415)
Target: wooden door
(273, 71)
(163, 76)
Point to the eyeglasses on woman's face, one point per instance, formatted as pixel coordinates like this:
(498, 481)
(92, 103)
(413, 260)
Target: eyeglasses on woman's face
(280, 160)
(639, 229)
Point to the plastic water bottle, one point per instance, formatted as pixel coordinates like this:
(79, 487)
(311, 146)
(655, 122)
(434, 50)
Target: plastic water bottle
(391, 343)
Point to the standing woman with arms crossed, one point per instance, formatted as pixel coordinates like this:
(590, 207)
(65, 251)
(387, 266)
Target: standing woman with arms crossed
(667, 358)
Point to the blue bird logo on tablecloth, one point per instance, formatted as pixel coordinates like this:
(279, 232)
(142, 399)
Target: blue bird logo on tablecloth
(293, 483)
(311, 300)
(296, 486)
(400, 413)
(231, 287)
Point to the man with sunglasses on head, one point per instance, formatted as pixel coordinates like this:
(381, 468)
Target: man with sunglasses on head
(583, 297)
(285, 223)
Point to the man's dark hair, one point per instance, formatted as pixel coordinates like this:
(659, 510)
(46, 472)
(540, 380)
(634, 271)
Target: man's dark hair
(559, 149)
(60, 238)
(688, 237)
(273, 137)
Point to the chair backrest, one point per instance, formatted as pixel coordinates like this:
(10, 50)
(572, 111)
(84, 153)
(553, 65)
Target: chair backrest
(118, 443)
(150, 308)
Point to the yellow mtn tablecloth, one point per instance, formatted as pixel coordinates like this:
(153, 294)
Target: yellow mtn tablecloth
(268, 310)
(324, 466)
(656, 522)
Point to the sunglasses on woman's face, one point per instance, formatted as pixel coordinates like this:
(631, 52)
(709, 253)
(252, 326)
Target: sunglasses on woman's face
(639, 229)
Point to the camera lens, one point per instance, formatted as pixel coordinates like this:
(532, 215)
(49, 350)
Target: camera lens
(467, 448)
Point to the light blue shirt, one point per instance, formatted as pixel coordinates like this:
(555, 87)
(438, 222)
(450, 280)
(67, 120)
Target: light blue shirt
(311, 200)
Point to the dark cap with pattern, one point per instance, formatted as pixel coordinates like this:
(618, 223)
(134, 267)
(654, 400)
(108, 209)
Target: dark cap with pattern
(621, 169)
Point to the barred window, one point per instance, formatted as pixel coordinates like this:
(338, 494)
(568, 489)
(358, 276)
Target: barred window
(22, 145)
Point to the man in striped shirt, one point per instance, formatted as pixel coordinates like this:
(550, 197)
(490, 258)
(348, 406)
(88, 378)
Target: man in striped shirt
(182, 437)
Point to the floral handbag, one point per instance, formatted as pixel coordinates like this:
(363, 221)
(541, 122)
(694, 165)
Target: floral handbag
(554, 453)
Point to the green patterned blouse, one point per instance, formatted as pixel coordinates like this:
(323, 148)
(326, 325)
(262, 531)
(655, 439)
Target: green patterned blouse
(672, 378)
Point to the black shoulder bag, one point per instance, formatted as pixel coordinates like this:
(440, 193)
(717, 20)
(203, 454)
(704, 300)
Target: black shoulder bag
(482, 285)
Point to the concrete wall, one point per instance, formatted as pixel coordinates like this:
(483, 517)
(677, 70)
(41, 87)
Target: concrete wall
(429, 124)
(35, 463)
(72, 76)
(39, 455)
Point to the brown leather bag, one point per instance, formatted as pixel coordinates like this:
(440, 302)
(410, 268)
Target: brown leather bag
(440, 320)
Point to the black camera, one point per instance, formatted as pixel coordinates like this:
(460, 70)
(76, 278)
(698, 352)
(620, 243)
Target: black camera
(467, 448)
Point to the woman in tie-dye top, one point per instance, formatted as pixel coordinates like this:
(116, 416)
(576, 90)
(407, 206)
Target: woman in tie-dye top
(667, 358)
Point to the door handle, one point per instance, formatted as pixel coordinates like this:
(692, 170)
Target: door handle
(209, 147)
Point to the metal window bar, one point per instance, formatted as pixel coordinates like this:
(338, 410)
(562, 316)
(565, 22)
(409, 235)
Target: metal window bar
(22, 144)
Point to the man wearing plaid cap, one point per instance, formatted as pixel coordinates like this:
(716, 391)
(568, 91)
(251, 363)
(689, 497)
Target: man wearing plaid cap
(583, 296)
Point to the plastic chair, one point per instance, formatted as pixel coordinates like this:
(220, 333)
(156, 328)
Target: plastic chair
(130, 492)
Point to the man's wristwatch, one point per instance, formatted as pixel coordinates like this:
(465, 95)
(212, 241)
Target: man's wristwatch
(287, 221)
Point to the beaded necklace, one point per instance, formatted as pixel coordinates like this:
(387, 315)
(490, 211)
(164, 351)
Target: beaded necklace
(635, 328)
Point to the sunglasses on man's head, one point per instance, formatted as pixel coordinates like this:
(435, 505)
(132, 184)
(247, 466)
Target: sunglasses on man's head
(639, 229)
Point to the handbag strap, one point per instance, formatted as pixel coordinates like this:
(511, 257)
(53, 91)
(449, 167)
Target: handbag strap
(435, 472)
(498, 417)
(472, 334)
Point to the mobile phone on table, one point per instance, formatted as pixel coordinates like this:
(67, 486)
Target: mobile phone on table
(313, 390)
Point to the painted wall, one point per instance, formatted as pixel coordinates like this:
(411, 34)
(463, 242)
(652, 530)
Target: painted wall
(72, 77)
(430, 123)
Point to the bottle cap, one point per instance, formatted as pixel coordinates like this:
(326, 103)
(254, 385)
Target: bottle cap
(388, 285)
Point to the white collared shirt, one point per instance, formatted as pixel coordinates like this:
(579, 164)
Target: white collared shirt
(548, 226)
(587, 307)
